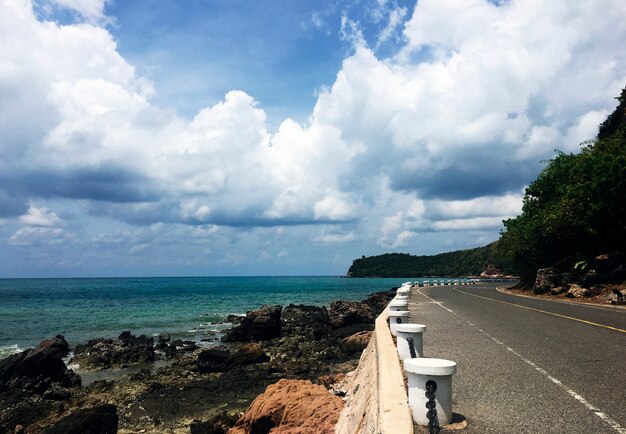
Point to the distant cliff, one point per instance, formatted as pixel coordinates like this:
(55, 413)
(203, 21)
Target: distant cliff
(471, 262)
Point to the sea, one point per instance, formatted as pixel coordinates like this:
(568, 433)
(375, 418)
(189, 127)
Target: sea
(191, 308)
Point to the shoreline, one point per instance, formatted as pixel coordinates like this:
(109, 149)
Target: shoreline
(214, 384)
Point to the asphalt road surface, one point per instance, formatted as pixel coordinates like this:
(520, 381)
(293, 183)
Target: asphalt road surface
(527, 365)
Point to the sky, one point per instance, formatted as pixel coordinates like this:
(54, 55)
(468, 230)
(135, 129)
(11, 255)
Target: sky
(284, 137)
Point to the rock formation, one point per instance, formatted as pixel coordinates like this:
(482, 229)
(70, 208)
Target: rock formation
(126, 350)
(291, 406)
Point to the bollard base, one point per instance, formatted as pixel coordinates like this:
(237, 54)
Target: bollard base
(458, 423)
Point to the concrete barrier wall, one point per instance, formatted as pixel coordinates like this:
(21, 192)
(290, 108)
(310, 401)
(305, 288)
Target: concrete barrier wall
(377, 401)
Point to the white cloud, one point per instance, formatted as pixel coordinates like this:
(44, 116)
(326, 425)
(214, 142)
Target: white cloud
(441, 137)
(41, 236)
(505, 206)
(91, 10)
(40, 217)
(476, 223)
(330, 238)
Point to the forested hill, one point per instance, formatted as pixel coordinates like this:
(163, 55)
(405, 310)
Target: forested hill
(469, 262)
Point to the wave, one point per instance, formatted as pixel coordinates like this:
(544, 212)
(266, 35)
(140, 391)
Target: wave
(9, 350)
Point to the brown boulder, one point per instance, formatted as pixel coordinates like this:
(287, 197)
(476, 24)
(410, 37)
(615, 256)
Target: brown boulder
(291, 407)
(356, 342)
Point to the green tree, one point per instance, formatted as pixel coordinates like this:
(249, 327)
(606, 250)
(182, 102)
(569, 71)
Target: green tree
(576, 207)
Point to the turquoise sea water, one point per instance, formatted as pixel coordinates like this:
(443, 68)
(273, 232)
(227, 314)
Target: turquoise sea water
(32, 310)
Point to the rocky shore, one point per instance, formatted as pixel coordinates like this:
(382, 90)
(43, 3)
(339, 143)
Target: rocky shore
(204, 390)
(601, 279)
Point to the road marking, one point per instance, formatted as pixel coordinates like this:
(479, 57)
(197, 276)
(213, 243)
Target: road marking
(599, 413)
(611, 308)
(436, 302)
(545, 311)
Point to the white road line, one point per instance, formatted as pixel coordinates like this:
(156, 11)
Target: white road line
(603, 416)
(575, 303)
(436, 302)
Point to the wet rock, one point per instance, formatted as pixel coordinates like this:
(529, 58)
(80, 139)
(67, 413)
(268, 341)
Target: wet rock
(235, 319)
(258, 325)
(164, 337)
(37, 370)
(126, 350)
(356, 342)
(345, 313)
(291, 406)
(97, 420)
(249, 354)
(310, 321)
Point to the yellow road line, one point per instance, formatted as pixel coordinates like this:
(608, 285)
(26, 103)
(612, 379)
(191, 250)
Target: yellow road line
(546, 312)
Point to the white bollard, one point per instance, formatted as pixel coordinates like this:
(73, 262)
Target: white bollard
(419, 373)
(402, 294)
(410, 335)
(396, 305)
(397, 317)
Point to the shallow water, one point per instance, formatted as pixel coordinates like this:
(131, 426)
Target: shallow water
(194, 308)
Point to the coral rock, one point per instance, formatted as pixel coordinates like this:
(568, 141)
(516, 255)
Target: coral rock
(291, 406)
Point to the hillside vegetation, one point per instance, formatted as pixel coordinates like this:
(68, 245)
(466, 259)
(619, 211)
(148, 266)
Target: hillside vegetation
(576, 208)
(469, 262)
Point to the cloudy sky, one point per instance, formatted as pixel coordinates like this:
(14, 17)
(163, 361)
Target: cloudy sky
(284, 137)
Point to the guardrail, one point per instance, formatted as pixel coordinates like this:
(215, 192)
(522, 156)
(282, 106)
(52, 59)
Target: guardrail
(377, 400)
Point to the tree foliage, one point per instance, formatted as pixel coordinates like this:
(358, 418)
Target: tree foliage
(576, 208)
(459, 263)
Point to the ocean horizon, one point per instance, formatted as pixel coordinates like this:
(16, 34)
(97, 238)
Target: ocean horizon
(193, 308)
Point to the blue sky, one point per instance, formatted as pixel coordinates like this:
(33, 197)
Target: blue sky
(283, 137)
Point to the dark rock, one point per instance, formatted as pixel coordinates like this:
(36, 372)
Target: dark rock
(216, 425)
(235, 319)
(309, 321)
(558, 290)
(343, 332)
(378, 301)
(249, 354)
(127, 350)
(213, 360)
(591, 278)
(36, 370)
(164, 337)
(258, 325)
(344, 313)
(208, 427)
(547, 278)
(618, 274)
(605, 264)
(97, 420)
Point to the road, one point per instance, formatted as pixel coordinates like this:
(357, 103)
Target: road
(527, 365)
